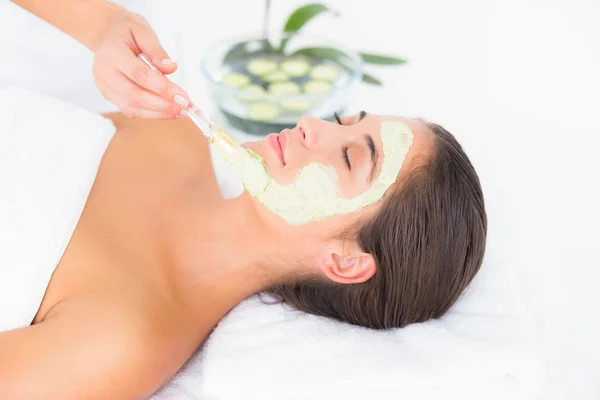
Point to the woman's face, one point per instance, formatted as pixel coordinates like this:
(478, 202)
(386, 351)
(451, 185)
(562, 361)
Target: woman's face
(352, 146)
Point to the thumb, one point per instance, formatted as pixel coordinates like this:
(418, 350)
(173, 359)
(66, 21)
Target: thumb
(148, 43)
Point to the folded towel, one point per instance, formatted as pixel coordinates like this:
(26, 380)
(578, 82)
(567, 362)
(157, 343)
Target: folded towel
(50, 151)
(483, 347)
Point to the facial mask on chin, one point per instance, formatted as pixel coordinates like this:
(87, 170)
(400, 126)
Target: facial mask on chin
(314, 194)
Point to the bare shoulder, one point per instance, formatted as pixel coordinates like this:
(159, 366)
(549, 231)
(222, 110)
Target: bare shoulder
(88, 352)
(173, 146)
(171, 133)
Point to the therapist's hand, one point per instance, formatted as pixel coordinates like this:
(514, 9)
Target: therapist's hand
(127, 81)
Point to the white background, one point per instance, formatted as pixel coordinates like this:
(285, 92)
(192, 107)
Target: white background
(518, 83)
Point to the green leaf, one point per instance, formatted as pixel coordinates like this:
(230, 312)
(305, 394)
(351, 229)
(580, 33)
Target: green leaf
(328, 53)
(300, 17)
(371, 58)
(239, 51)
(371, 79)
(236, 52)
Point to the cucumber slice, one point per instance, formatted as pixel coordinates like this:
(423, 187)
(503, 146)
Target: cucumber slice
(295, 67)
(235, 79)
(324, 72)
(261, 66)
(283, 88)
(296, 104)
(263, 111)
(317, 87)
(276, 76)
(252, 93)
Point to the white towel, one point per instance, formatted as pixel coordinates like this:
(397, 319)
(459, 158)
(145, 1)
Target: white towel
(50, 151)
(483, 347)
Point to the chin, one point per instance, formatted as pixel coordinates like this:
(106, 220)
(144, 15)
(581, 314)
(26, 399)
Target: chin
(248, 145)
(260, 147)
(256, 146)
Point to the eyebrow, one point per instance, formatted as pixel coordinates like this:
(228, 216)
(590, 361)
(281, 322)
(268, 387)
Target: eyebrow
(373, 152)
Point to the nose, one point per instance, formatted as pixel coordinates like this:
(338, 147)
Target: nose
(308, 131)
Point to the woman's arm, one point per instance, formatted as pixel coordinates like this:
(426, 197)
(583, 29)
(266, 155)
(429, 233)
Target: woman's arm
(70, 358)
(84, 20)
(117, 36)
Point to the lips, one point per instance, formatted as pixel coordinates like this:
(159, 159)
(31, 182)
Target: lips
(275, 142)
(283, 137)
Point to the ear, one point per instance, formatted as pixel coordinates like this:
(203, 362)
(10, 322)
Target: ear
(346, 266)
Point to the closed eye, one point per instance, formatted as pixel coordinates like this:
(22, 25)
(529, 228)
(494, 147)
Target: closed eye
(368, 138)
(345, 155)
(345, 148)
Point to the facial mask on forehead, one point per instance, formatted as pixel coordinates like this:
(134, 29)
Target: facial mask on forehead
(314, 194)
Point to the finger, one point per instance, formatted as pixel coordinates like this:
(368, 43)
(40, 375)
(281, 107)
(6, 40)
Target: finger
(136, 96)
(139, 97)
(150, 45)
(141, 74)
(134, 113)
(136, 102)
(138, 113)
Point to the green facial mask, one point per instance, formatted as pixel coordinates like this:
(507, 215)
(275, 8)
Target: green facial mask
(314, 194)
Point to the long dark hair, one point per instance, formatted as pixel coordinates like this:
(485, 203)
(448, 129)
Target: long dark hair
(428, 241)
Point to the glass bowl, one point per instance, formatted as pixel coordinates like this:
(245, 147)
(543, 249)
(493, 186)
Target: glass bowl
(261, 89)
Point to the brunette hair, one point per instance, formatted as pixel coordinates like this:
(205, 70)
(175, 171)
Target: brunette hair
(428, 241)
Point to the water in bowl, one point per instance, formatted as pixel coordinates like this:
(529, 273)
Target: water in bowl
(266, 94)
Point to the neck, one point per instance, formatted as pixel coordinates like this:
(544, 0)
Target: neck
(224, 251)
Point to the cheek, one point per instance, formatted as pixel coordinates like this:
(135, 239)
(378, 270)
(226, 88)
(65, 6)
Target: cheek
(349, 183)
(350, 188)
(342, 183)
(352, 184)
(346, 186)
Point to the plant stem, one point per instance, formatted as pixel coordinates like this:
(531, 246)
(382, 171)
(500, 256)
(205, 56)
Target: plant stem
(266, 18)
